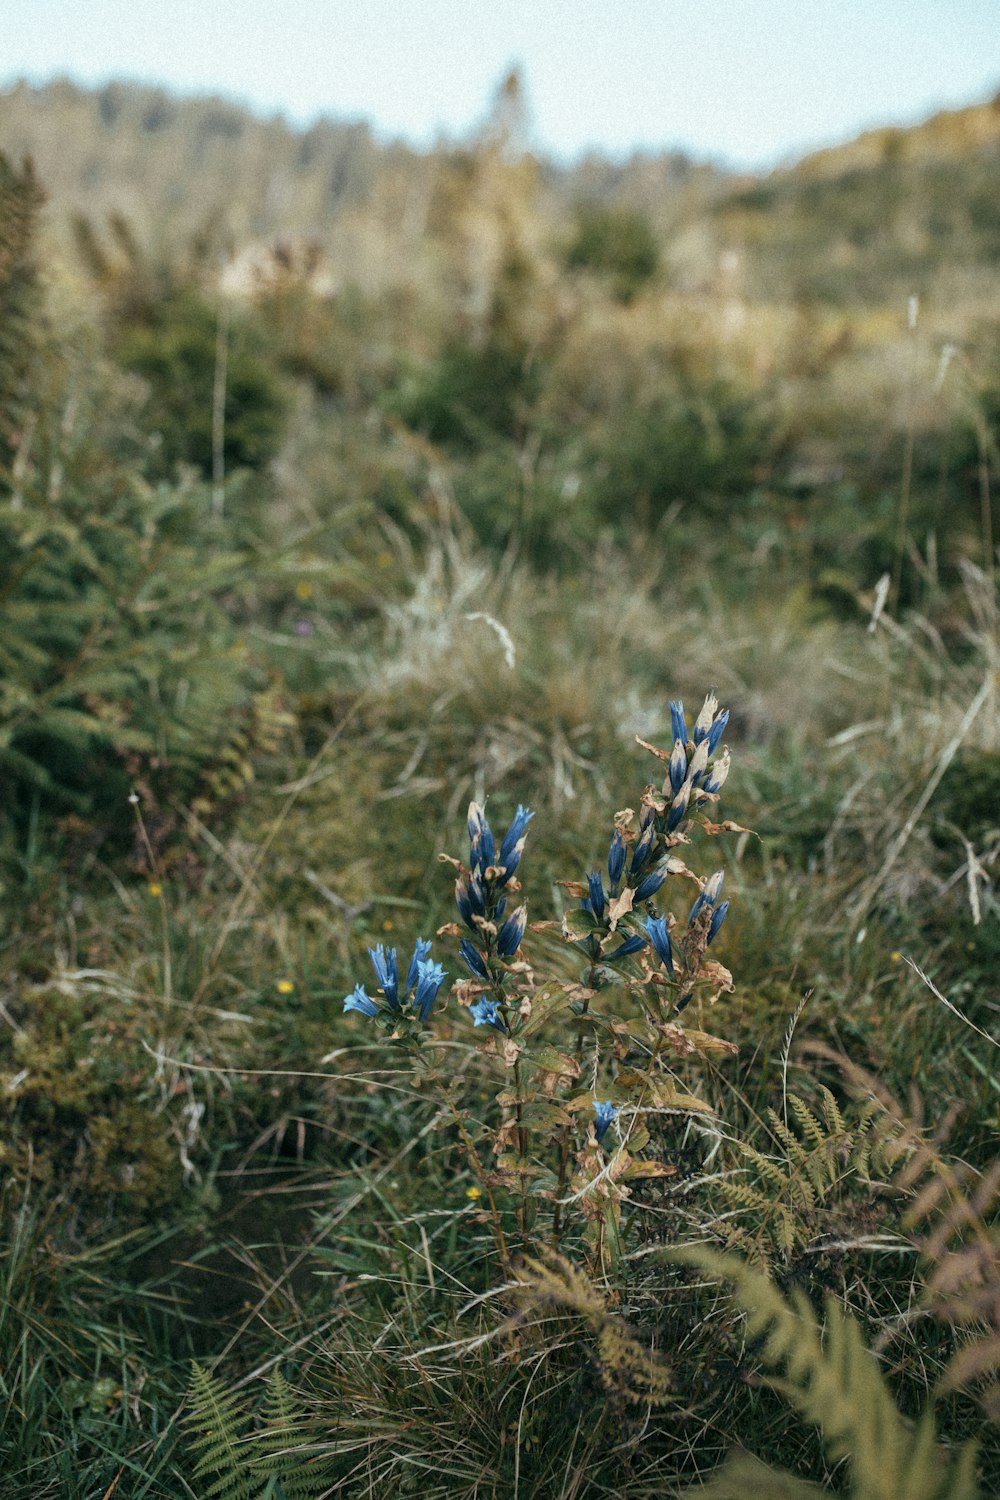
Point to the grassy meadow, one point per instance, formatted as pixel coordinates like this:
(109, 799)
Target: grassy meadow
(415, 481)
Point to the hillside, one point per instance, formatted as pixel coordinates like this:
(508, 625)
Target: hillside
(895, 211)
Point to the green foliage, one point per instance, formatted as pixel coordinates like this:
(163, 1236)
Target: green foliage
(472, 394)
(180, 356)
(782, 1206)
(618, 243)
(99, 593)
(833, 1379)
(699, 446)
(233, 1464)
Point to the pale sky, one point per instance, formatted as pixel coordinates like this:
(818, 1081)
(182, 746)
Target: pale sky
(749, 82)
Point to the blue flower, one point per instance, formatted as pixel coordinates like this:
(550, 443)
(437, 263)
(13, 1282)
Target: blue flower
(659, 936)
(616, 859)
(640, 852)
(513, 842)
(386, 972)
(420, 952)
(469, 900)
(487, 1013)
(649, 885)
(481, 840)
(604, 1113)
(360, 1001)
(678, 723)
(678, 807)
(708, 898)
(596, 888)
(510, 935)
(715, 779)
(717, 730)
(632, 944)
(430, 977)
(703, 723)
(472, 959)
(678, 766)
(718, 917)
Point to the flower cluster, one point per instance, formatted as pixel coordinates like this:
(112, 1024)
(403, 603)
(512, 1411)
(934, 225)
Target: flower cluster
(618, 920)
(481, 895)
(423, 980)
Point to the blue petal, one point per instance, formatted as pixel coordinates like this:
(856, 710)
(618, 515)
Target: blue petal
(604, 1113)
(430, 980)
(361, 1002)
(472, 959)
(677, 722)
(420, 952)
(649, 885)
(718, 917)
(596, 887)
(386, 972)
(511, 933)
(487, 1013)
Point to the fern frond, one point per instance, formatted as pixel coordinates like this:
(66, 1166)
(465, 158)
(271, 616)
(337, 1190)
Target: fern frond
(833, 1379)
(213, 1422)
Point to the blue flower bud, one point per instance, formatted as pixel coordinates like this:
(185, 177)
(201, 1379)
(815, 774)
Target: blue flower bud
(632, 944)
(616, 859)
(717, 730)
(717, 774)
(472, 959)
(678, 722)
(513, 837)
(487, 1013)
(511, 933)
(429, 980)
(649, 885)
(678, 766)
(678, 807)
(703, 723)
(420, 952)
(604, 1113)
(718, 917)
(659, 936)
(640, 850)
(386, 972)
(596, 888)
(361, 1002)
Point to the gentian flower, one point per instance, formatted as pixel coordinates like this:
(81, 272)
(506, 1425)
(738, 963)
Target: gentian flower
(649, 885)
(678, 766)
(604, 1113)
(708, 897)
(361, 1002)
(430, 977)
(423, 980)
(513, 842)
(678, 807)
(640, 851)
(717, 730)
(678, 722)
(596, 888)
(510, 935)
(716, 778)
(487, 1013)
(632, 944)
(420, 952)
(703, 723)
(659, 936)
(472, 959)
(386, 972)
(616, 859)
(718, 917)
